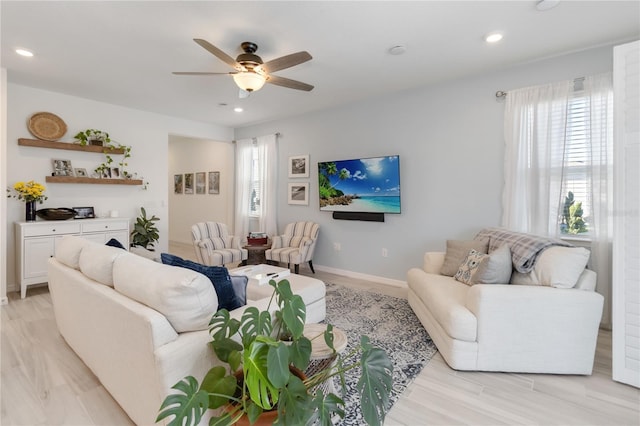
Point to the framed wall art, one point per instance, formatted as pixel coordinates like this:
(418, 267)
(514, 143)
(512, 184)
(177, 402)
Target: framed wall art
(201, 183)
(214, 182)
(188, 183)
(298, 193)
(299, 166)
(80, 172)
(178, 184)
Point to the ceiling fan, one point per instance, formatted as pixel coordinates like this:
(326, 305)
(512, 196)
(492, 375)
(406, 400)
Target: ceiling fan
(250, 72)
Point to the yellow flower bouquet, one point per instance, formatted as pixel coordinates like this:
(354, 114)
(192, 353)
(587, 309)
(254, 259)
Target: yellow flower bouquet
(28, 192)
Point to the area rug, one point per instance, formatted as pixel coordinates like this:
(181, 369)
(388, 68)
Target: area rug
(389, 323)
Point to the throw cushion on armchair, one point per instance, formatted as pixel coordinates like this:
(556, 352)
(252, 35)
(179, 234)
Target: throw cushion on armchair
(456, 253)
(219, 277)
(479, 268)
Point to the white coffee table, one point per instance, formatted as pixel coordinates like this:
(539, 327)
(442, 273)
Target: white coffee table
(311, 290)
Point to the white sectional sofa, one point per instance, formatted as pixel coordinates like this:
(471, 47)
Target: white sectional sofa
(139, 325)
(508, 327)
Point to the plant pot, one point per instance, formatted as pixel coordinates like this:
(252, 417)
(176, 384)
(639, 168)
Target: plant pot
(267, 417)
(96, 142)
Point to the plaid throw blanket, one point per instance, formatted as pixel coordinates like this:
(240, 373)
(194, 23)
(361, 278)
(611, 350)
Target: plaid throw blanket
(525, 248)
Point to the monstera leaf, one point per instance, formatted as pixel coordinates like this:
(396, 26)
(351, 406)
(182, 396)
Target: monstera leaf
(256, 376)
(324, 407)
(375, 383)
(188, 406)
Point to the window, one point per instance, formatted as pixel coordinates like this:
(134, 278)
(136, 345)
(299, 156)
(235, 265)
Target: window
(575, 200)
(558, 158)
(255, 209)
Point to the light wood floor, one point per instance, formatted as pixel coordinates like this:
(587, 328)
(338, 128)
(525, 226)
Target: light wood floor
(44, 383)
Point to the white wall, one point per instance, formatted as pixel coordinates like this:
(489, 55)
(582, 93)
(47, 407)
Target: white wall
(3, 184)
(147, 133)
(450, 140)
(190, 155)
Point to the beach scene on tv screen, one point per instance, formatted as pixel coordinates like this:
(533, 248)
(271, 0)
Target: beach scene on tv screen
(360, 185)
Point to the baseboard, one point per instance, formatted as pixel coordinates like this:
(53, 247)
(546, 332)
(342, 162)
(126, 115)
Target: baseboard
(358, 275)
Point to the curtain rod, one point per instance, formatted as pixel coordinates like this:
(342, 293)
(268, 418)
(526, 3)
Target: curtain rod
(277, 135)
(502, 94)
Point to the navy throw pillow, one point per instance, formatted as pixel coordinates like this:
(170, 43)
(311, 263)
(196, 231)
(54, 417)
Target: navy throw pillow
(115, 243)
(239, 283)
(219, 276)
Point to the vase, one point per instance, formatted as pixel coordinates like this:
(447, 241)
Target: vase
(30, 211)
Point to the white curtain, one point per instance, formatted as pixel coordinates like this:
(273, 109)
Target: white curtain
(267, 155)
(244, 156)
(535, 119)
(536, 162)
(268, 160)
(600, 90)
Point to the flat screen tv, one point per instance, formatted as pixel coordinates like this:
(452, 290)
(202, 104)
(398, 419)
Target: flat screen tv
(370, 185)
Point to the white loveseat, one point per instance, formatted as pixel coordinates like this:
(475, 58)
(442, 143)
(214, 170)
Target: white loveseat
(507, 327)
(139, 325)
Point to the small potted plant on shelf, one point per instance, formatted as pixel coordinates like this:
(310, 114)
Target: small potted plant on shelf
(93, 137)
(145, 233)
(262, 377)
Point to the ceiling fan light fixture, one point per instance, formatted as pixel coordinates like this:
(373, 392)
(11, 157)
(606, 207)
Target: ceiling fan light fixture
(249, 81)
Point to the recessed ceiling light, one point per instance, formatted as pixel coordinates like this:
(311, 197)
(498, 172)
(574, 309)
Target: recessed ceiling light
(493, 37)
(397, 50)
(24, 52)
(238, 109)
(543, 5)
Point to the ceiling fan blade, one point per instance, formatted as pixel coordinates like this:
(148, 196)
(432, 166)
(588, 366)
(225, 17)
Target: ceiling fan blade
(291, 84)
(201, 73)
(286, 61)
(217, 52)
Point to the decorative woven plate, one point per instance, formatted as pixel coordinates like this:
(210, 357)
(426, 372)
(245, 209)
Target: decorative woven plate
(47, 126)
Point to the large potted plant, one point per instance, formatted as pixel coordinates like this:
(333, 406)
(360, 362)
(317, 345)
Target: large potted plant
(145, 233)
(258, 378)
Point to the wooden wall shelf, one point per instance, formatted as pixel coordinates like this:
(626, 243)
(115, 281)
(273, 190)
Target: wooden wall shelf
(70, 146)
(71, 179)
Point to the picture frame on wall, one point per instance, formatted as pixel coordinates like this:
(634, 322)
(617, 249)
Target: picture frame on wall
(62, 167)
(80, 172)
(201, 183)
(188, 183)
(298, 193)
(214, 182)
(178, 184)
(299, 166)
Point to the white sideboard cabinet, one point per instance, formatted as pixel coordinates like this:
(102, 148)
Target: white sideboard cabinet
(36, 243)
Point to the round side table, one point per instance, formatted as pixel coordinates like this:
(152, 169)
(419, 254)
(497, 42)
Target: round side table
(322, 357)
(255, 254)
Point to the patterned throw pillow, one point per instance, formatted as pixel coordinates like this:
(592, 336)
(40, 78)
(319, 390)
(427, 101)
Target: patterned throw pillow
(469, 267)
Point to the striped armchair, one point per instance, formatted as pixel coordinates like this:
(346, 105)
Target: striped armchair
(214, 246)
(296, 245)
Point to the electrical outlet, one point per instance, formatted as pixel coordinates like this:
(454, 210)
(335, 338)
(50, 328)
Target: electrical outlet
(385, 252)
(337, 246)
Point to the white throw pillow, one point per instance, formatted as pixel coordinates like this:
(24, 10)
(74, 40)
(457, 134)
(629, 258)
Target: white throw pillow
(96, 262)
(495, 268)
(185, 297)
(68, 250)
(556, 266)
